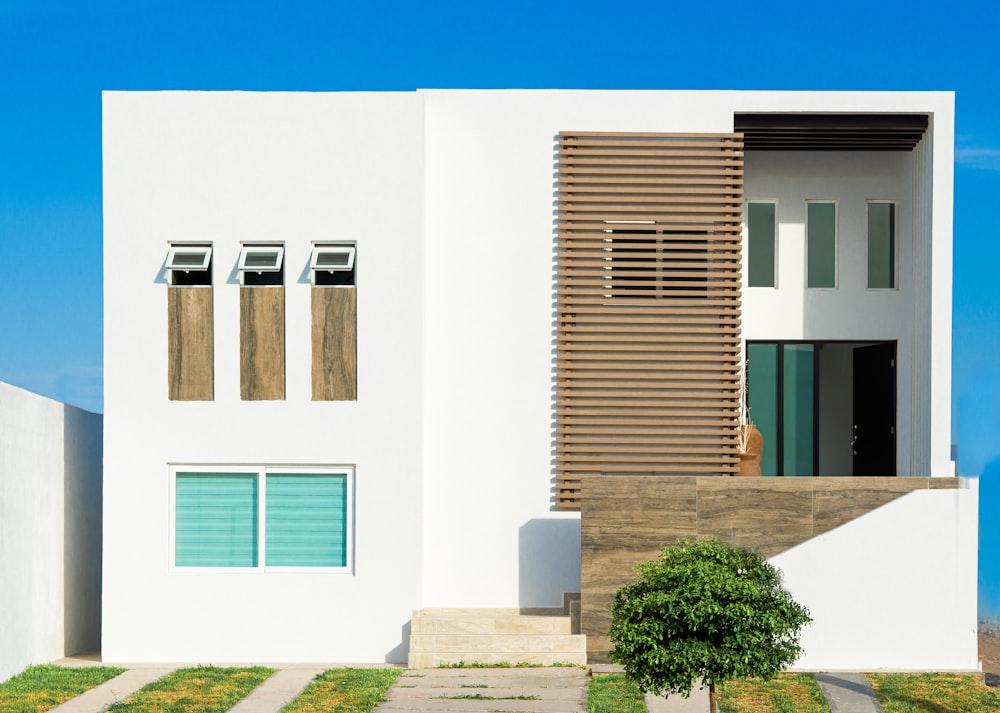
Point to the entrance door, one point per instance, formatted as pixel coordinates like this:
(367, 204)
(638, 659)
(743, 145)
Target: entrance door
(874, 410)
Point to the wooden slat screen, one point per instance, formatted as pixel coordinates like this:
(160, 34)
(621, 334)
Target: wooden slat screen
(648, 305)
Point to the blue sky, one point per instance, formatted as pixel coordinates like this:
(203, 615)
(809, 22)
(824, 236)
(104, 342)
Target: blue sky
(57, 56)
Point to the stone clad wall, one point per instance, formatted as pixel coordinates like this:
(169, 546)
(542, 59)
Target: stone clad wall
(629, 519)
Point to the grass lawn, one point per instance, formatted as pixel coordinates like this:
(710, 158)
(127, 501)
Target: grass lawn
(614, 693)
(934, 693)
(204, 689)
(788, 693)
(344, 690)
(39, 688)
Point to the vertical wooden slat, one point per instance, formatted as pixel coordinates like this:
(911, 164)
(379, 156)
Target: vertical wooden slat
(648, 305)
(190, 344)
(262, 343)
(334, 344)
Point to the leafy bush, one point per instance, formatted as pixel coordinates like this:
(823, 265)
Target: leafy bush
(704, 613)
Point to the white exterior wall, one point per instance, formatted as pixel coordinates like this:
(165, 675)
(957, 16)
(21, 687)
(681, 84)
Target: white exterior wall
(295, 168)
(50, 534)
(893, 589)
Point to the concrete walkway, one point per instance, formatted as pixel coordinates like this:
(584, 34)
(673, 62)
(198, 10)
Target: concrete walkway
(499, 690)
(277, 691)
(697, 703)
(102, 697)
(848, 693)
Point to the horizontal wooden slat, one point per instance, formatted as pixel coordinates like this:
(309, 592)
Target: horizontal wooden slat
(647, 305)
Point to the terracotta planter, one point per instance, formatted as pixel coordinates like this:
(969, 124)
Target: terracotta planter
(750, 459)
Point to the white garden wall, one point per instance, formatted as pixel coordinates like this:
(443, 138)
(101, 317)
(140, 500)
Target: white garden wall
(50, 530)
(893, 589)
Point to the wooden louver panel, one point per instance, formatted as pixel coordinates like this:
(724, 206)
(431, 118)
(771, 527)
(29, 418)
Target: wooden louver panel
(648, 306)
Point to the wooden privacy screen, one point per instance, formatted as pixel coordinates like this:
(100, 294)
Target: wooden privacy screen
(262, 343)
(190, 344)
(334, 344)
(648, 305)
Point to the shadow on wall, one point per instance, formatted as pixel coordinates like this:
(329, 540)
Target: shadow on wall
(548, 561)
(399, 653)
(83, 435)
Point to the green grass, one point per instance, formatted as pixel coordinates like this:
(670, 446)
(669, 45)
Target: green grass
(788, 693)
(40, 688)
(205, 689)
(344, 690)
(614, 693)
(934, 693)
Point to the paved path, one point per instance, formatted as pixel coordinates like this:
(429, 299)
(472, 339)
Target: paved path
(697, 703)
(100, 698)
(500, 690)
(277, 691)
(848, 693)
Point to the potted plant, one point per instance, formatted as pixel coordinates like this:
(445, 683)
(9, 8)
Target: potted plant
(751, 442)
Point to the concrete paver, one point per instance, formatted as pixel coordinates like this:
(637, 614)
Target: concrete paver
(698, 702)
(277, 691)
(848, 693)
(102, 697)
(545, 690)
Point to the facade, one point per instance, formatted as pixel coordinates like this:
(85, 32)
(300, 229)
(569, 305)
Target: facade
(347, 337)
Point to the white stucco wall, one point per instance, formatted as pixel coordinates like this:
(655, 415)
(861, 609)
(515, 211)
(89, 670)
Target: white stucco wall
(50, 531)
(450, 196)
(893, 589)
(293, 168)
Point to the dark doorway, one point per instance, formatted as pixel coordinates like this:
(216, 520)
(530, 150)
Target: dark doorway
(874, 443)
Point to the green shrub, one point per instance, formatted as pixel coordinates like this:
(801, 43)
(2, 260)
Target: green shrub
(704, 613)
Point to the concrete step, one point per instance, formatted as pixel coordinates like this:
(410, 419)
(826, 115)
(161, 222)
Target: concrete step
(488, 636)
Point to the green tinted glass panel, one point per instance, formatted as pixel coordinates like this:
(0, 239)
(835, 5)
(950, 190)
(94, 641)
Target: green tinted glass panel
(760, 249)
(306, 520)
(762, 397)
(216, 520)
(798, 409)
(881, 245)
(822, 245)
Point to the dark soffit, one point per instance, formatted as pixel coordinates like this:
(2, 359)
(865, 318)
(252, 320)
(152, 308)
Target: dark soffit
(831, 132)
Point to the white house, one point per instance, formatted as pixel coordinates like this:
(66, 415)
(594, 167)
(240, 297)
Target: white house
(362, 349)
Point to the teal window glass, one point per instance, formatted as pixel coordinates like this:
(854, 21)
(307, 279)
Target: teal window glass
(306, 520)
(821, 248)
(797, 411)
(216, 520)
(881, 245)
(760, 244)
(762, 398)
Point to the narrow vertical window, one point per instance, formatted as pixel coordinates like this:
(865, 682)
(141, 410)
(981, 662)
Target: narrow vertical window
(821, 245)
(881, 245)
(190, 328)
(761, 244)
(334, 322)
(262, 322)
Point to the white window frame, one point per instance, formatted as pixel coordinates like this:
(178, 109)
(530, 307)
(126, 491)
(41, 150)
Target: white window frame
(176, 248)
(262, 470)
(319, 250)
(245, 250)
